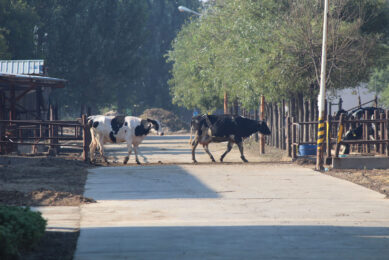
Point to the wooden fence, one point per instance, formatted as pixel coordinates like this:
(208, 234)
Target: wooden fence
(53, 134)
(294, 125)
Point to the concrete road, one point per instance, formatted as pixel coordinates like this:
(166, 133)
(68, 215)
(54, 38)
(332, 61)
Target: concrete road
(227, 211)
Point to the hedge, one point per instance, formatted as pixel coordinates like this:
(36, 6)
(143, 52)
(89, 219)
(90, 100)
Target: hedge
(20, 229)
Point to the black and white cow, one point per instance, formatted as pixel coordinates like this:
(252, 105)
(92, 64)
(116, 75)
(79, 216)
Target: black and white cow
(224, 128)
(118, 129)
(356, 132)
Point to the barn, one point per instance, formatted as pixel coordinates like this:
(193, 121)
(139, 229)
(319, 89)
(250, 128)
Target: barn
(25, 89)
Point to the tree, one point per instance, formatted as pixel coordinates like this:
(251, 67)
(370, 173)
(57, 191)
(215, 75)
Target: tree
(379, 83)
(111, 52)
(17, 21)
(270, 47)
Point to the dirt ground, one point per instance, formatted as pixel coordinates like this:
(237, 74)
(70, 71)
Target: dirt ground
(43, 182)
(26, 181)
(375, 179)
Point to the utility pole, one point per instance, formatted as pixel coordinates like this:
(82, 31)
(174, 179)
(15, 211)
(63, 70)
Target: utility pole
(322, 95)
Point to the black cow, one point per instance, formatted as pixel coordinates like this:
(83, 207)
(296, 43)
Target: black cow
(224, 128)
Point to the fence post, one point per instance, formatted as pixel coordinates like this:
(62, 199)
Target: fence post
(366, 128)
(340, 104)
(256, 117)
(306, 119)
(294, 139)
(276, 128)
(288, 137)
(262, 117)
(339, 137)
(52, 150)
(377, 146)
(382, 133)
(387, 132)
(86, 138)
(312, 118)
(282, 124)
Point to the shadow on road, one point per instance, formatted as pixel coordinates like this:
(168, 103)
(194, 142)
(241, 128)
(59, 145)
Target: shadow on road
(149, 182)
(235, 242)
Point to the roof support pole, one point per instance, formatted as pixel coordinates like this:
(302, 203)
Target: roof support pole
(12, 111)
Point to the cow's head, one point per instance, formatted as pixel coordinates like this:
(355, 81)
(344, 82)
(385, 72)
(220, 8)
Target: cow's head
(263, 128)
(155, 126)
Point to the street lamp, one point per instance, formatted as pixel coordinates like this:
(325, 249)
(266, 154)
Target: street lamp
(186, 9)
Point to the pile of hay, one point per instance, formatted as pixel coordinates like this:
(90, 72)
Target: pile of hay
(112, 113)
(170, 122)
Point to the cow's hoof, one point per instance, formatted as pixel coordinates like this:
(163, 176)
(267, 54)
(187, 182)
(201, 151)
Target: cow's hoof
(125, 160)
(213, 160)
(194, 161)
(138, 162)
(244, 160)
(221, 159)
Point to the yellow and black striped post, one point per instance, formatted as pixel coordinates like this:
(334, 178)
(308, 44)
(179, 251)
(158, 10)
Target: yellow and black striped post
(320, 142)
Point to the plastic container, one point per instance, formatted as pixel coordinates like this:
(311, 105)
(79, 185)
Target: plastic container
(307, 149)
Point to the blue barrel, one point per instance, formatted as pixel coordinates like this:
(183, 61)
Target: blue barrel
(307, 149)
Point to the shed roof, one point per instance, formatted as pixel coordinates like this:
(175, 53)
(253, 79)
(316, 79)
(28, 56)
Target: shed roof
(27, 67)
(21, 82)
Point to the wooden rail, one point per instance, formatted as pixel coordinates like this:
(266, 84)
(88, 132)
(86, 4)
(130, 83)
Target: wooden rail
(44, 133)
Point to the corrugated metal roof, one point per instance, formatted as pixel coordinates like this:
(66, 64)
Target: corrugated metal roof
(26, 67)
(26, 81)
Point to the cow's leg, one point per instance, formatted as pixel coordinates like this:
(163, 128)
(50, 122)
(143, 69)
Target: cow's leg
(346, 149)
(239, 143)
(208, 152)
(229, 147)
(194, 145)
(129, 148)
(92, 146)
(136, 154)
(101, 149)
(92, 149)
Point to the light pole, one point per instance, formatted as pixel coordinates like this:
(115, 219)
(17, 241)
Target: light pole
(185, 9)
(322, 95)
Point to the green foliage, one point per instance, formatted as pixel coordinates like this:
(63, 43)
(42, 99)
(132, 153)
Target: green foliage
(20, 229)
(17, 21)
(248, 48)
(379, 83)
(110, 51)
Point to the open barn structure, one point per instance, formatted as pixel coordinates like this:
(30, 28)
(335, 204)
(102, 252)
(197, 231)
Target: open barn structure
(28, 121)
(25, 89)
